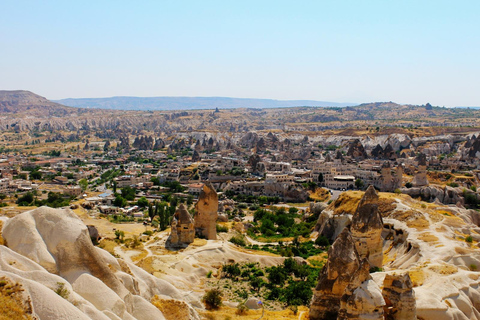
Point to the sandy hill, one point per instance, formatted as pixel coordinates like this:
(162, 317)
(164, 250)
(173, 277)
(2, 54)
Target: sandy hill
(21, 101)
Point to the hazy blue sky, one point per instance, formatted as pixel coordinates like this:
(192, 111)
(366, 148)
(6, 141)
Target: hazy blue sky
(345, 51)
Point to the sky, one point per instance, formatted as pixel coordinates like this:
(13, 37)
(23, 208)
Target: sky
(343, 51)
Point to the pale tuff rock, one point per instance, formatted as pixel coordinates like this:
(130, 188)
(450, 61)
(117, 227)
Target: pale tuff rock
(343, 261)
(183, 232)
(362, 298)
(59, 241)
(207, 212)
(399, 297)
(317, 207)
(51, 246)
(366, 228)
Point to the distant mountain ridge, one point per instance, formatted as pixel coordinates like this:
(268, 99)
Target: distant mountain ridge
(22, 101)
(190, 103)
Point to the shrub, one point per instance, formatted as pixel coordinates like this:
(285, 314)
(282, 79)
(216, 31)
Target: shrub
(397, 191)
(322, 241)
(61, 290)
(209, 274)
(212, 299)
(231, 270)
(469, 239)
(241, 309)
(375, 269)
(221, 228)
(453, 184)
(238, 240)
(408, 185)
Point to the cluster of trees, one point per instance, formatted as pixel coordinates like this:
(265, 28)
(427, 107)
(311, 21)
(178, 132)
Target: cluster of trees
(160, 213)
(295, 248)
(260, 200)
(54, 200)
(290, 282)
(279, 223)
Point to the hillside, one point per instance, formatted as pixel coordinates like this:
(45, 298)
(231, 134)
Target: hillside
(21, 101)
(185, 103)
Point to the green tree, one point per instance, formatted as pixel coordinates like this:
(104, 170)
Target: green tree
(359, 184)
(83, 183)
(120, 202)
(142, 202)
(36, 175)
(212, 299)
(128, 193)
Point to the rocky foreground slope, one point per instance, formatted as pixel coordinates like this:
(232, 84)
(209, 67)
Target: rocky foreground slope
(63, 276)
(430, 260)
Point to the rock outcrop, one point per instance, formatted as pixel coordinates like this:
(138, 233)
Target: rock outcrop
(356, 150)
(345, 289)
(399, 297)
(207, 212)
(366, 228)
(49, 250)
(420, 179)
(183, 231)
(362, 298)
(343, 261)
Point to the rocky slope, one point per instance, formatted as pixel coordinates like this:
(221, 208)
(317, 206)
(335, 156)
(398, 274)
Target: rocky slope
(20, 101)
(432, 245)
(64, 276)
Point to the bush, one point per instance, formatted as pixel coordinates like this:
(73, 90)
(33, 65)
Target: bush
(238, 240)
(408, 185)
(221, 228)
(453, 184)
(61, 290)
(209, 274)
(241, 310)
(469, 239)
(212, 299)
(322, 241)
(231, 270)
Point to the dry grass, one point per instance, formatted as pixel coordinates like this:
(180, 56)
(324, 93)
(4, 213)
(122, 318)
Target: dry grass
(147, 264)
(199, 242)
(230, 313)
(455, 222)
(12, 304)
(108, 245)
(320, 194)
(417, 276)
(428, 237)
(171, 309)
(348, 201)
(139, 256)
(444, 269)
